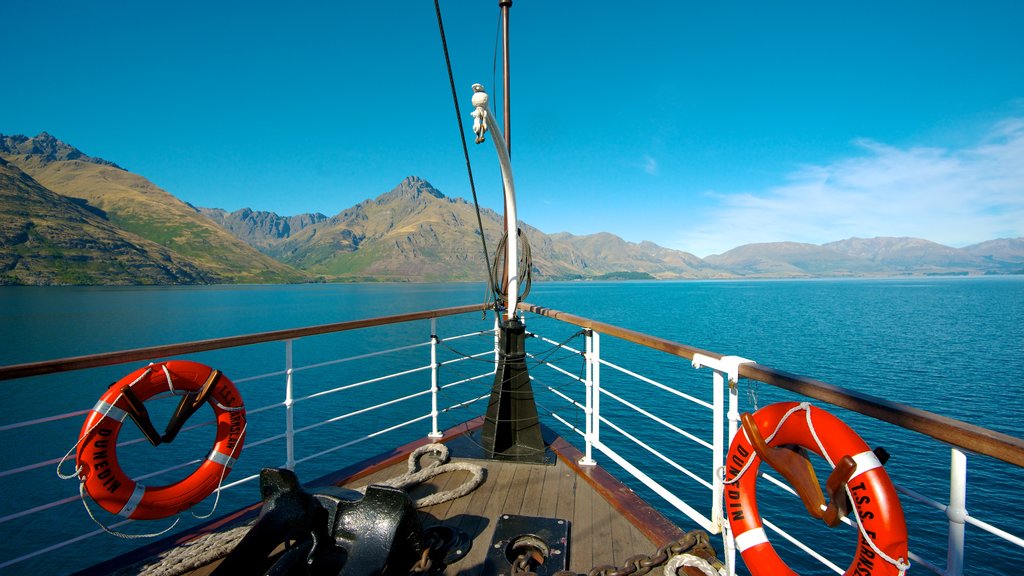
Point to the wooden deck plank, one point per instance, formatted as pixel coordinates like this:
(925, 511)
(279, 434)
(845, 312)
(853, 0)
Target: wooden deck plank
(601, 512)
(581, 553)
(549, 495)
(517, 489)
(566, 493)
(622, 539)
(485, 506)
(534, 489)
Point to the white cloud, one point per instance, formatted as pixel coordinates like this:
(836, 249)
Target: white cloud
(650, 165)
(954, 197)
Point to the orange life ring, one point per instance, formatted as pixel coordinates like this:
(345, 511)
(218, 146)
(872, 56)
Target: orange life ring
(96, 458)
(878, 514)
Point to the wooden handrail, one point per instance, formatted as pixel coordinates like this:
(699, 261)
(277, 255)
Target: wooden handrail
(120, 357)
(956, 432)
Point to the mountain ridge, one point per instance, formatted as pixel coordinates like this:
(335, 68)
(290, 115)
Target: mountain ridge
(64, 210)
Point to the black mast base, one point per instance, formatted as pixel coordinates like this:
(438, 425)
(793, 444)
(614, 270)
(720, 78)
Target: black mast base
(511, 429)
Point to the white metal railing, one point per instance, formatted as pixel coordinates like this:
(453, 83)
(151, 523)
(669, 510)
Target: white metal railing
(435, 390)
(602, 404)
(725, 416)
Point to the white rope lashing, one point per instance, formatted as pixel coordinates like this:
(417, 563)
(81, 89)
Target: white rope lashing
(681, 560)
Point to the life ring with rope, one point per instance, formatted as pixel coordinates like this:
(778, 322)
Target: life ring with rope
(858, 484)
(96, 457)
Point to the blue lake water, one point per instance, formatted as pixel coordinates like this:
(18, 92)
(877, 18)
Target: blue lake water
(950, 345)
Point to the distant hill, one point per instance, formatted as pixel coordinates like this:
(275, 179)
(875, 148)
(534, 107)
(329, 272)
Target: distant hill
(414, 232)
(135, 205)
(883, 256)
(69, 218)
(259, 228)
(1007, 252)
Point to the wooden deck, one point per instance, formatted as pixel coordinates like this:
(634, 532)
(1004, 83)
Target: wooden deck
(608, 522)
(599, 534)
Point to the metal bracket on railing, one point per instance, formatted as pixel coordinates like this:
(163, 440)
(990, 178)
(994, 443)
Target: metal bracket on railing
(728, 365)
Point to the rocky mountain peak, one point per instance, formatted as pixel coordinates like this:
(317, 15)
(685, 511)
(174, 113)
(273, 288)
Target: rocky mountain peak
(48, 148)
(411, 188)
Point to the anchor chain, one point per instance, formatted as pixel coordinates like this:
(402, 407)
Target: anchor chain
(696, 543)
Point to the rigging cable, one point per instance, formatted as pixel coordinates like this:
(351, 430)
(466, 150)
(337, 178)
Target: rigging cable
(525, 279)
(465, 151)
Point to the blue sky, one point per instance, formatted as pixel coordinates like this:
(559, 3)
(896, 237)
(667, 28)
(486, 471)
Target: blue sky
(700, 126)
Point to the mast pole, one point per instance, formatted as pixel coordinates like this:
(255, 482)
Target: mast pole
(506, 101)
(508, 275)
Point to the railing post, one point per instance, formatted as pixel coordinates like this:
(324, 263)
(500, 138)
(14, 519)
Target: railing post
(497, 344)
(434, 432)
(588, 411)
(289, 421)
(718, 452)
(595, 374)
(956, 512)
(725, 367)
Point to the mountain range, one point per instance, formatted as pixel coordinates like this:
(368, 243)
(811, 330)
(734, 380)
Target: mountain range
(69, 218)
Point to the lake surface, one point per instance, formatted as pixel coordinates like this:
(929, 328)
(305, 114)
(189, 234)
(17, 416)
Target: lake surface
(954, 346)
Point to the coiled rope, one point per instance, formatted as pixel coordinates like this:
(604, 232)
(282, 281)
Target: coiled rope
(202, 551)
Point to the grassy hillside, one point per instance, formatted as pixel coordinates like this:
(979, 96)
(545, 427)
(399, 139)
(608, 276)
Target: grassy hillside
(137, 206)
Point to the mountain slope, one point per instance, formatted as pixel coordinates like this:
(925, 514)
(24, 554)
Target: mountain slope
(259, 228)
(414, 232)
(48, 239)
(1003, 252)
(789, 259)
(136, 205)
(911, 255)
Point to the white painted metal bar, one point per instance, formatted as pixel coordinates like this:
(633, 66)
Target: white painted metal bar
(62, 544)
(466, 380)
(43, 420)
(994, 530)
(588, 410)
(238, 482)
(561, 345)
(563, 371)
(566, 397)
(920, 562)
(668, 389)
(659, 455)
(363, 438)
(466, 335)
(594, 357)
(658, 489)
(363, 411)
(274, 374)
(808, 550)
(361, 383)
(661, 421)
(53, 461)
(434, 432)
(567, 424)
(466, 403)
(361, 356)
(464, 358)
(718, 450)
(40, 508)
(289, 408)
(956, 512)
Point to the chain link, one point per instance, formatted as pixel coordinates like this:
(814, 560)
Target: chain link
(696, 542)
